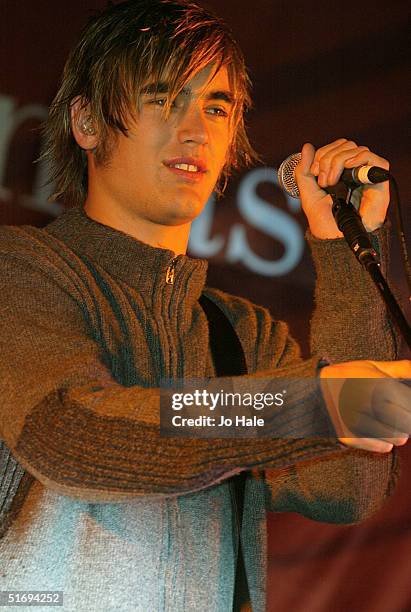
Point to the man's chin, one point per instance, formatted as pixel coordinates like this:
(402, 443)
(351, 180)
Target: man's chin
(178, 221)
(186, 212)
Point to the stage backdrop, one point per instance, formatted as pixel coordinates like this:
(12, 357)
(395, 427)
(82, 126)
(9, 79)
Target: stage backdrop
(320, 71)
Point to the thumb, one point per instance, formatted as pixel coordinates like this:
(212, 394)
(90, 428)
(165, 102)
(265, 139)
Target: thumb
(395, 369)
(306, 181)
(307, 158)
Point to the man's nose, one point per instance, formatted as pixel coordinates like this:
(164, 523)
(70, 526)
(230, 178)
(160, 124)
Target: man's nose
(192, 126)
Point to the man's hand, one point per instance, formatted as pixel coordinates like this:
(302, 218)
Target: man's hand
(323, 168)
(365, 399)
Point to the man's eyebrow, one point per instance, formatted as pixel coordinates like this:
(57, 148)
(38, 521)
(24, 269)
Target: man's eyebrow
(162, 88)
(153, 88)
(224, 95)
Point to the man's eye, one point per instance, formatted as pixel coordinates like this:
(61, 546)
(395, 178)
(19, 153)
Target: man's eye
(162, 102)
(218, 111)
(159, 101)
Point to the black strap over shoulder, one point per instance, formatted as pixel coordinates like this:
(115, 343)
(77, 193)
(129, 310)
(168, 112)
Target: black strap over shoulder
(229, 360)
(228, 354)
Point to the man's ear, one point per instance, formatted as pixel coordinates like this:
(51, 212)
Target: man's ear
(82, 125)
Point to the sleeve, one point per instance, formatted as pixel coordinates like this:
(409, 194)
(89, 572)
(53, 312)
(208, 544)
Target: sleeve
(341, 489)
(72, 426)
(357, 325)
(348, 487)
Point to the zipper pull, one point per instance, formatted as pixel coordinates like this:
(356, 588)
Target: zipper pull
(170, 272)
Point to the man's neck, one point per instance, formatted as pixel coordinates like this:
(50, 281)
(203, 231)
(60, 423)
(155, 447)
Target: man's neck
(173, 238)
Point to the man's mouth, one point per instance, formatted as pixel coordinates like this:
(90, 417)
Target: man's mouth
(190, 168)
(187, 167)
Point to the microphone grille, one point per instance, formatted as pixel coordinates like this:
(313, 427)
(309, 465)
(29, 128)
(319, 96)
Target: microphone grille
(286, 176)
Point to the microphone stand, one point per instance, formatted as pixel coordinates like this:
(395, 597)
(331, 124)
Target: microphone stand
(350, 224)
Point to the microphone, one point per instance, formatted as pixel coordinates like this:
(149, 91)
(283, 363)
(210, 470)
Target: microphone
(351, 177)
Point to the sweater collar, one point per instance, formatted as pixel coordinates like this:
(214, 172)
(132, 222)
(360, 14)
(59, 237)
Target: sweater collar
(137, 264)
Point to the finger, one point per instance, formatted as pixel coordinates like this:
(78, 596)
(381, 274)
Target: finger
(375, 199)
(307, 157)
(323, 151)
(323, 156)
(400, 441)
(326, 158)
(365, 425)
(394, 369)
(306, 181)
(367, 158)
(391, 404)
(332, 165)
(376, 446)
(376, 407)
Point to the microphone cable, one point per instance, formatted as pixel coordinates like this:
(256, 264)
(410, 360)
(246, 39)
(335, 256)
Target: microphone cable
(400, 231)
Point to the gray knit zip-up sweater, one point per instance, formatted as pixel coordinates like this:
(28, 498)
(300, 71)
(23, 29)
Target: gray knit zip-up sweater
(118, 517)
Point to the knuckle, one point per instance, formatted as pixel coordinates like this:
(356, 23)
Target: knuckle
(325, 159)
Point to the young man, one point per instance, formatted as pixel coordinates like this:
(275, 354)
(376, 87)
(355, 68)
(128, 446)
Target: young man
(102, 304)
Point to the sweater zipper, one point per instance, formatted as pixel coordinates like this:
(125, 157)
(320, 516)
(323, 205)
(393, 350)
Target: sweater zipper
(170, 272)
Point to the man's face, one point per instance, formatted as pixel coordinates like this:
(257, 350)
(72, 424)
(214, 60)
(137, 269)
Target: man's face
(166, 168)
